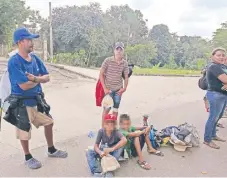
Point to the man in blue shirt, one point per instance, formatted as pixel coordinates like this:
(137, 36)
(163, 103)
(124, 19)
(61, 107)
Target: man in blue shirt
(26, 73)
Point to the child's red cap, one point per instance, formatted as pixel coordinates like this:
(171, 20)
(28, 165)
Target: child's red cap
(110, 117)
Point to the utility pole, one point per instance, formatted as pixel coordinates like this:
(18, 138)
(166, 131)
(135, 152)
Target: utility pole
(45, 52)
(51, 32)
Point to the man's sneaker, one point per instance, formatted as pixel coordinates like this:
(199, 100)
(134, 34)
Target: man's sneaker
(33, 163)
(109, 174)
(121, 159)
(58, 154)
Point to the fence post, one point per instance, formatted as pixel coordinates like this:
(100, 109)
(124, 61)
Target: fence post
(45, 50)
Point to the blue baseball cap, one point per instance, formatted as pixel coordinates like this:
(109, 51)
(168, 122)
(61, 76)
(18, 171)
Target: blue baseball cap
(23, 33)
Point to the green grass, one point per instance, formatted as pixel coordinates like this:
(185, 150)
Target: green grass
(161, 71)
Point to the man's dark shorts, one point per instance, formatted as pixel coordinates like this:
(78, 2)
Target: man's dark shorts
(132, 146)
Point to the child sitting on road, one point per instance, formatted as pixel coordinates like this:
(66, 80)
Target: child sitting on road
(137, 137)
(107, 136)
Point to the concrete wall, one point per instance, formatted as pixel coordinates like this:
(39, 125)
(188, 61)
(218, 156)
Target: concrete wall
(40, 48)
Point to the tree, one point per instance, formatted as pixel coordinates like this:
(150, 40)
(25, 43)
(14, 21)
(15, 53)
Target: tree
(84, 35)
(125, 24)
(81, 28)
(36, 23)
(220, 36)
(161, 36)
(12, 14)
(191, 49)
(73, 25)
(97, 47)
(141, 54)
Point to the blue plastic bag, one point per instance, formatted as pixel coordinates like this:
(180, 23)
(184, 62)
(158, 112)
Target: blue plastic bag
(152, 138)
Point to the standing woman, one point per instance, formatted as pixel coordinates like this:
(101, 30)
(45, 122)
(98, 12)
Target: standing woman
(216, 96)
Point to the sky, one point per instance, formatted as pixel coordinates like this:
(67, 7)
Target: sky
(184, 17)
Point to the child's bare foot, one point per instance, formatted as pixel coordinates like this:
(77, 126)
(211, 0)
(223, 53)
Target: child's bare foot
(151, 150)
(155, 152)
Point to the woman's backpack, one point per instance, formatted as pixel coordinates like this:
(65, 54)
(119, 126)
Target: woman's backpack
(202, 83)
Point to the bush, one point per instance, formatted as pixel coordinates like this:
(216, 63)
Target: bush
(201, 63)
(75, 59)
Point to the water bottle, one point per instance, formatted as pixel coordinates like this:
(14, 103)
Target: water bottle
(91, 134)
(5, 106)
(106, 146)
(126, 154)
(145, 120)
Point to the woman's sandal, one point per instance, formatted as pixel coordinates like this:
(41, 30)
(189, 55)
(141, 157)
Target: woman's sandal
(218, 139)
(144, 165)
(157, 153)
(212, 145)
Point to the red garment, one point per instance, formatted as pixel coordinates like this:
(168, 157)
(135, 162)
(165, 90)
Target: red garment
(110, 117)
(99, 93)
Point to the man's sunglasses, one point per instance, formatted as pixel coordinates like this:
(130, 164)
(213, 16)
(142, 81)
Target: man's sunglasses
(119, 48)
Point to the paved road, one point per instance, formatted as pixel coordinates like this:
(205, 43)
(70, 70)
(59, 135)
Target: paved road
(169, 100)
